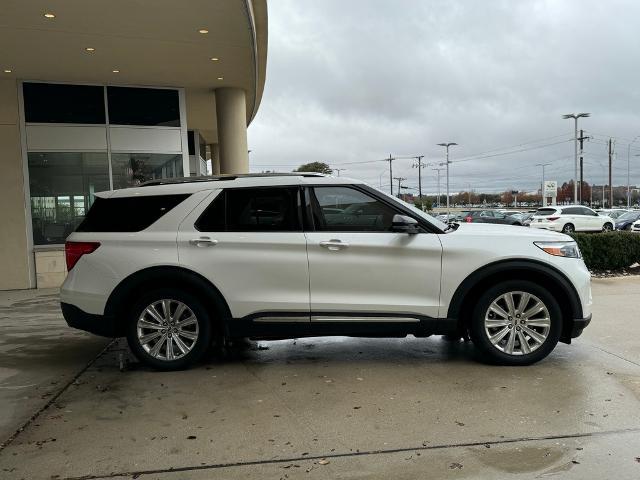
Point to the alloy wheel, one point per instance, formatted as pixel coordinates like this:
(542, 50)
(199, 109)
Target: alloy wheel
(167, 329)
(517, 323)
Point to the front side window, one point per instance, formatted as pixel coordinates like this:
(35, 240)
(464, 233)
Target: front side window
(345, 209)
(252, 210)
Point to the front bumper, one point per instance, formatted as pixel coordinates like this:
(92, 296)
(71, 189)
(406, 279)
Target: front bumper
(579, 324)
(102, 325)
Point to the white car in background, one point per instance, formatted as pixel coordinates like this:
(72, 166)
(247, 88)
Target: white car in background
(571, 218)
(636, 227)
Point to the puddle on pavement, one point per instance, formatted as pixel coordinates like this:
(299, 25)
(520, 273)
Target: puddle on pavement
(545, 460)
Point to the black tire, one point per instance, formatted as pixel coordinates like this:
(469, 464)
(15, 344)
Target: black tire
(607, 227)
(568, 228)
(197, 349)
(493, 354)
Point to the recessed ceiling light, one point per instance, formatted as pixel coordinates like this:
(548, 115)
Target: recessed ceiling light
(90, 49)
(203, 31)
(49, 15)
(214, 59)
(220, 78)
(6, 70)
(115, 71)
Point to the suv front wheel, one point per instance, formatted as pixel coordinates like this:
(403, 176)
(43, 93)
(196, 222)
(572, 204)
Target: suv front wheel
(168, 329)
(516, 323)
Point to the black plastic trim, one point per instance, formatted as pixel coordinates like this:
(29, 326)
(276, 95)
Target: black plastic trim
(579, 324)
(103, 325)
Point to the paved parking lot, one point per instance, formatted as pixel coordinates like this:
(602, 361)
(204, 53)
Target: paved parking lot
(320, 408)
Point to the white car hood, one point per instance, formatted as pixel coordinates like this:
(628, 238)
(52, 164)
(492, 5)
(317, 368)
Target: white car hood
(485, 229)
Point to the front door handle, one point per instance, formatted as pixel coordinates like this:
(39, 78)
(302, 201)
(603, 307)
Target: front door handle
(334, 244)
(203, 242)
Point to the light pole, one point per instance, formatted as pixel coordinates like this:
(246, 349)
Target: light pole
(419, 165)
(447, 145)
(575, 117)
(339, 170)
(542, 195)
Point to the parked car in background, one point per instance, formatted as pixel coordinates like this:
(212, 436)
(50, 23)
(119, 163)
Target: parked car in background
(490, 216)
(612, 212)
(524, 218)
(447, 218)
(625, 221)
(635, 227)
(571, 218)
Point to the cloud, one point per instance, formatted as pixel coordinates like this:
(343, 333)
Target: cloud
(356, 81)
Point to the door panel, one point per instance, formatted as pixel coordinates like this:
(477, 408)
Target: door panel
(256, 271)
(358, 265)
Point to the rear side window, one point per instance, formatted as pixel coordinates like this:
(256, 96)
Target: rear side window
(545, 212)
(252, 210)
(572, 211)
(128, 214)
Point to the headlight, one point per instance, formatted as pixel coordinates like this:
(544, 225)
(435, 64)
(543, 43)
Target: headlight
(560, 249)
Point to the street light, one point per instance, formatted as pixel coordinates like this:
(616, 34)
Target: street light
(542, 194)
(447, 145)
(575, 117)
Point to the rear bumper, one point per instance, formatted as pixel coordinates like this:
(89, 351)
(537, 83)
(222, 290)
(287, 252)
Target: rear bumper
(102, 325)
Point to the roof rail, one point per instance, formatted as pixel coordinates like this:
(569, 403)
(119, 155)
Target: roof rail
(220, 178)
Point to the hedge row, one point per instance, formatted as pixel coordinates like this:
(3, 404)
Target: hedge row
(609, 251)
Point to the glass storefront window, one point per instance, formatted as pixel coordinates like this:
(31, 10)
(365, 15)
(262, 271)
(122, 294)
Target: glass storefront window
(143, 106)
(131, 169)
(62, 186)
(61, 103)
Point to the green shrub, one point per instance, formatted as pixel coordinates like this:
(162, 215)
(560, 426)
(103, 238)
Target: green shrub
(609, 251)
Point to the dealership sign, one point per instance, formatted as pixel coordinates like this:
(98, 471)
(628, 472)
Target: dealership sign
(550, 188)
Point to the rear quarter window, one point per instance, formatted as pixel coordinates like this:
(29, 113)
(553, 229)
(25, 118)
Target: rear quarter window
(128, 214)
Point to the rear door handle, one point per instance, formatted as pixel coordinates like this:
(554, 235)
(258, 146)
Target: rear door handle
(334, 244)
(203, 242)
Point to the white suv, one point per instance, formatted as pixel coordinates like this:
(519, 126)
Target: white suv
(571, 218)
(179, 265)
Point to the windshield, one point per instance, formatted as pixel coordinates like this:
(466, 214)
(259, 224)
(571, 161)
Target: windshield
(629, 216)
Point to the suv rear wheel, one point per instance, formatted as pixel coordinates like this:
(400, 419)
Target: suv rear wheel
(568, 228)
(516, 323)
(169, 329)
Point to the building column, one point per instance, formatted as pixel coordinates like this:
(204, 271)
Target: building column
(231, 113)
(16, 259)
(215, 158)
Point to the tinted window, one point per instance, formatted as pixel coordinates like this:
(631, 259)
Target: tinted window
(344, 209)
(252, 210)
(586, 211)
(128, 214)
(572, 211)
(57, 103)
(143, 106)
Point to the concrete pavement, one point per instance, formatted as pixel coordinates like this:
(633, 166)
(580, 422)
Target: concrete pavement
(343, 408)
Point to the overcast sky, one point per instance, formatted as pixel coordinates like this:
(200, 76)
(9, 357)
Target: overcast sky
(354, 81)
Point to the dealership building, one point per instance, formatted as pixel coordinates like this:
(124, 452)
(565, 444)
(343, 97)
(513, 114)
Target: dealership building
(108, 94)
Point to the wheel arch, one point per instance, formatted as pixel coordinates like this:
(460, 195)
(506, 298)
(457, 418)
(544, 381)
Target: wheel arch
(130, 288)
(467, 293)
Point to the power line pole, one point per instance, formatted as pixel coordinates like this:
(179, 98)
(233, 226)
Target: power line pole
(438, 170)
(447, 145)
(339, 170)
(419, 166)
(581, 140)
(390, 160)
(610, 177)
(575, 145)
(400, 179)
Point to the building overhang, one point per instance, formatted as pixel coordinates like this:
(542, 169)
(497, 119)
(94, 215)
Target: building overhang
(155, 43)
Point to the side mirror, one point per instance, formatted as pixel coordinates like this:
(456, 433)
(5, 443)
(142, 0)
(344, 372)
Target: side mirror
(404, 224)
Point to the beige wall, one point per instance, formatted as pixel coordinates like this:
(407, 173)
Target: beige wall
(14, 251)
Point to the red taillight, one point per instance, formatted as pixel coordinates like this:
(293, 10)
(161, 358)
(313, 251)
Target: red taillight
(74, 250)
(467, 219)
(552, 219)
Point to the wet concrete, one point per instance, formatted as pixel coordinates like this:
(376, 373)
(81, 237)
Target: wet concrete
(354, 408)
